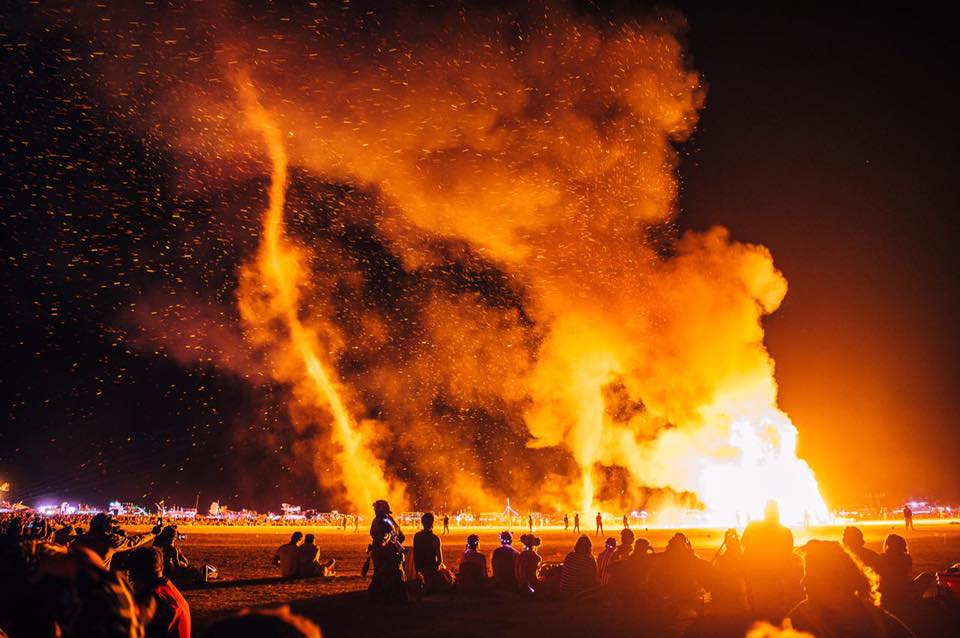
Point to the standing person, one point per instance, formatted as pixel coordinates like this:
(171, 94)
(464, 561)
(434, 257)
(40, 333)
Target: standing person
(446, 524)
(528, 563)
(287, 556)
(566, 522)
(579, 573)
(604, 559)
(428, 556)
(576, 522)
(626, 522)
(771, 570)
(908, 518)
(599, 525)
(171, 617)
(356, 523)
(386, 551)
(530, 523)
(504, 562)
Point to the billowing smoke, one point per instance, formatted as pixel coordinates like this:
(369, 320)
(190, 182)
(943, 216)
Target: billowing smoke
(475, 214)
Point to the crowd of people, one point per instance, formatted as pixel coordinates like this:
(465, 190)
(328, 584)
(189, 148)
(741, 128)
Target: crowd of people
(66, 580)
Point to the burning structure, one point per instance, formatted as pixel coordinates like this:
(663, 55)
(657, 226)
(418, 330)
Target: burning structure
(466, 280)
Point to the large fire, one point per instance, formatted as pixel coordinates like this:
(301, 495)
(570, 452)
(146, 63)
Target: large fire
(495, 302)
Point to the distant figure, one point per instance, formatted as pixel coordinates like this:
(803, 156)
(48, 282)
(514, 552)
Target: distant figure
(854, 543)
(576, 522)
(908, 518)
(899, 590)
(579, 572)
(771, 570)
(446, 524)
(171, 616)
(839, 599)
(730, 588)
(504, 563)
(472, 575)
(386, 551)
(604, 558)
(566, 523)
(599, 525)
(287, 556)
(806, 520)
(428, 556)
(626, 522)
(308, 560)
(530, 523)
(356, 523)
(528, 563)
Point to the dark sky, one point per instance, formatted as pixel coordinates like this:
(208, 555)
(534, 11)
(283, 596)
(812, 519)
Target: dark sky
(827, 136)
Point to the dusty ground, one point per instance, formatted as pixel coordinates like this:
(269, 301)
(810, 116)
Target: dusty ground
(338, 605)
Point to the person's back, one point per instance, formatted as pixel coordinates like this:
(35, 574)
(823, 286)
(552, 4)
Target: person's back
(287, 556)
(679, 574)
(854, 542)
(307, 559)
(171, 617)
(528, 563)
(579, 573)
(472, 574)
(604, 559)
(769, 565)
(504, 563)
(427, 555)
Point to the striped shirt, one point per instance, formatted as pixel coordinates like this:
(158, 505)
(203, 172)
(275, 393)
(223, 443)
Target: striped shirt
(579, 573)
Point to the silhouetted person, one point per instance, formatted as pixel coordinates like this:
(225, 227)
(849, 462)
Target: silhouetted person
(530, 523)
(286, 556)
(730, 589)
(604, 558)
(386, 551)
(428, 556)
(472, 575)
(566, 523)
(839, 601)
(680, 576)
(854, 543)
(576, 522)
(626, 522)
(527, 564)
(173, 559)
(446, 524)
(579, 572)
(770, 567)
(626, 545)
(599, 525)
(105, 539)
(899, 590)
(171, 616)
(908, 518)
(504, 563)
(308, 560)
(356, 523)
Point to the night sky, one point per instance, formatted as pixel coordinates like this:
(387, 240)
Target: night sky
(829, 137)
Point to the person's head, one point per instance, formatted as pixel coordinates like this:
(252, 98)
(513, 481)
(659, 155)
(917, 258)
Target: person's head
(276, 623)
(679, 543)
(731, 540)
(610, 543)
(529, 541)
(626, 537)
(831, 574)
(642, 547)
(473, 542)
(308, 539)
(506, 538)
(771, 512)
(427, 520)
(295, 537)
(583, 545)
(100, 523)
(381, 508)
(895, 544)
(853, 537)
(166, 536)
(145, 565)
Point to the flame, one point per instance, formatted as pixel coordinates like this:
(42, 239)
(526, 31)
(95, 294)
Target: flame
(278, 271)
